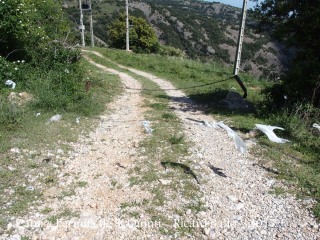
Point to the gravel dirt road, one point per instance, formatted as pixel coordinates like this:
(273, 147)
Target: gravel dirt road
(236, 191)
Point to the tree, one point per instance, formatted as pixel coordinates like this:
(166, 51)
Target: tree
(142, 37)
(296, 23)
(30, 27)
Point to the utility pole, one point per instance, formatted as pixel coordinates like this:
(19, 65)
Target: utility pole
(240, 38)
(91, 26)
(239, 47)
(81, 26)
(127, 26)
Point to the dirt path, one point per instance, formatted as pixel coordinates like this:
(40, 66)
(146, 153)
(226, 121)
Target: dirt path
(99, 165)
(236, 191)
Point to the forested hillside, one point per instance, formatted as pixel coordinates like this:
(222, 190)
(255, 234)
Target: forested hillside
(201, 29)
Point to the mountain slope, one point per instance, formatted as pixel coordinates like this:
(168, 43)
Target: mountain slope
(203, 30)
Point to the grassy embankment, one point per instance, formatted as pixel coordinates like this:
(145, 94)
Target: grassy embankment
(298, 162)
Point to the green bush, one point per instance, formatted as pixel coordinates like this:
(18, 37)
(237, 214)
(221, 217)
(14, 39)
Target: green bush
(10, 114)
(171, 51)
(296, 120)
(60, 88)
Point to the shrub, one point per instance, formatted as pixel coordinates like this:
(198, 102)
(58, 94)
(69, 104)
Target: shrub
(171, 51)
(10, 114)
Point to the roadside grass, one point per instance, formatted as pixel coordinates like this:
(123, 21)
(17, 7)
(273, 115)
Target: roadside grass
(32, 151)
(173, 188)
(66, 213)
(298, 162)
(162, 169)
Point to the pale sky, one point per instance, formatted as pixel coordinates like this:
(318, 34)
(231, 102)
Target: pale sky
(236, 3)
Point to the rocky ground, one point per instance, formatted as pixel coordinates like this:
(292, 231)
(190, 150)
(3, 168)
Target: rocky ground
(235, 189)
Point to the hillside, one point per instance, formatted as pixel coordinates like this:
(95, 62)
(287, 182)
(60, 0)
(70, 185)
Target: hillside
(203, 30)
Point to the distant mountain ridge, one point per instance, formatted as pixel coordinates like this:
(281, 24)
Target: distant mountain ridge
(204, 30)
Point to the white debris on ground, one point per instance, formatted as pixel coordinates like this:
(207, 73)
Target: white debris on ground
(268, 130)
(240, 145)
(55, 118)
(210, 125)
(10, 83)
(317, 126)
(147, 127)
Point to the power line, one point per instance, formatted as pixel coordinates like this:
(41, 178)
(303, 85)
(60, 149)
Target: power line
(175, 89)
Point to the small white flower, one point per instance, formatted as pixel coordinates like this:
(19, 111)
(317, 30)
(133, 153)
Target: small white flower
(16, 68)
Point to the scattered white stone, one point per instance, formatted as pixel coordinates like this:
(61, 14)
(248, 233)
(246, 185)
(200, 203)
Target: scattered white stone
(232, 198)
(11, 168)
(9, 226)
(188, 212)
(270, 182)
(165, 181)
(55, 118)
(239, 206)
(15, 237)
(15, 150)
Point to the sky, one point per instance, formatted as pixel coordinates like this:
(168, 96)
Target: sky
(236, 3)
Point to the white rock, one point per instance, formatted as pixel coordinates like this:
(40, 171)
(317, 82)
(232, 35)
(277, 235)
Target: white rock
(270, 182)
(11, 168)
(232, 198)
(15, 237)
(15, 150)
(239, 206)
(165, 181)
(9, 226)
